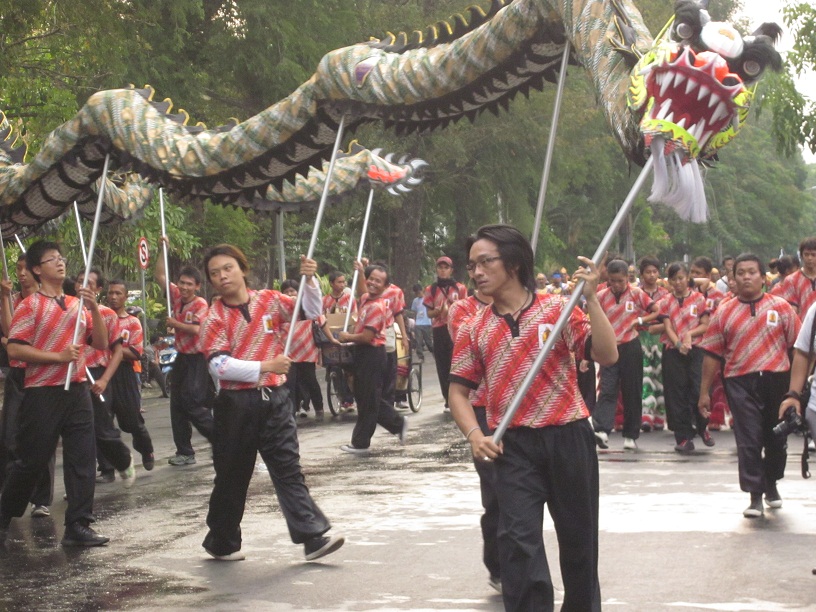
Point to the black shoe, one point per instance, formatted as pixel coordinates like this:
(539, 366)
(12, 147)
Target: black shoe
(322, 546)
(105, 477)
(772, 496)
(148, 461)
(79, 534)
(755, 509)
(5, 523)
(707, 439)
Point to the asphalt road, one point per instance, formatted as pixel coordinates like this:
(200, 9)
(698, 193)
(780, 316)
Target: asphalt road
(672, 535)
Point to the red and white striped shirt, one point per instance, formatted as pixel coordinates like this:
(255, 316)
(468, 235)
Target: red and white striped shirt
(459, 315)
(752, 336)
(497, 352)
(192, 313)
(303, 348)
(656, 295)
(130, 334)
(713, 298)
(798, 290)
(255, 331)
(436, 297)
(333, 304)
(48, 324)
(100, 358)
(684, 313)
(623, 310)
(373, 315)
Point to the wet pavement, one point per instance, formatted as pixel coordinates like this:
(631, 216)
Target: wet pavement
(672, 535)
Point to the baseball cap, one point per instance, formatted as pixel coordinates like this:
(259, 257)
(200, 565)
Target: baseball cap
(444, 260)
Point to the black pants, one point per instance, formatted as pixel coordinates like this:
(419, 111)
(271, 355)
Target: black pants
(12, 399)
(490, 503)
(389, 392)
(556, 466)
(125, 398)
(443, 354)
(625, 375)
(154, 372)
(46, 414)
(681, 389)
(754, 400)
(246, 423)
(586, 384)
(372, 409)
(111, 452)
(190, 401)
(303, 386)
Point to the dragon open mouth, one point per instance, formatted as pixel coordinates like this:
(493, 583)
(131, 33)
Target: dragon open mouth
(695, 103)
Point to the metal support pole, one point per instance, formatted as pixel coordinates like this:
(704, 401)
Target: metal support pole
(79, 231)
(603, 247)
(545, 177)
(164, 254)
(313, 242)
(279, 245)
(5, 271)
(359, 255)
(91, 248)
(144, 310)
(19, 243)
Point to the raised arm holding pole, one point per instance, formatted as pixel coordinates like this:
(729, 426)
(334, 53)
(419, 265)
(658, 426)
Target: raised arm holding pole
(88, 261)
(359, 256)
(313, 241)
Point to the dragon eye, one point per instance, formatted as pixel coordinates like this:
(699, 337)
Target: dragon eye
(684, 30)
(752, 68)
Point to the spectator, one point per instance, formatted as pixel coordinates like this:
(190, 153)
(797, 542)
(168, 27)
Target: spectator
(423, 329)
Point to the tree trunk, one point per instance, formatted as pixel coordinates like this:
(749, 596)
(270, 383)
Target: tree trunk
(407, 242)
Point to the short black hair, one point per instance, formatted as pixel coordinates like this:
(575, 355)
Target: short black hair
(675, 268)
(727, 258)
(290, 283)
(514, 249)
(617, 266)
(647, 261)
(118, 281)
(704, 263)
(417, 287)
(808, 244)
(369, 269)
(100, 280)
(785, 264)
(191, 272)
(334, 275)
(751, 257)
(35, 254)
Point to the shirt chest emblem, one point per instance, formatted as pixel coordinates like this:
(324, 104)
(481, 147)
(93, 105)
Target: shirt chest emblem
(268, 324)
(693, 310)
(544, 331)
(629, 305)
(188, 317)
(772, 318)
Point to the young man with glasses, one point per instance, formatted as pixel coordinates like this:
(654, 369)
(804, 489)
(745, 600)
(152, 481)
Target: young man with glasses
(41, 335)
(547, 455)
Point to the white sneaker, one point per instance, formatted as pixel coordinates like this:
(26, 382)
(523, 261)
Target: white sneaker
(629, 444)
(40, 511)
(128, 475)
(234, 556)
(348, 448)
(601, 439)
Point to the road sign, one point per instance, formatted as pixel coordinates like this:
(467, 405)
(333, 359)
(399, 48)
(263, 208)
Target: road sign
(144, 256)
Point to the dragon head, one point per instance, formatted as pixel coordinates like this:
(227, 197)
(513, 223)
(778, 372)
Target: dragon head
(693, 92)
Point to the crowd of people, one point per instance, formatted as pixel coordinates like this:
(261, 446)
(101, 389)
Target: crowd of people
(681, 347)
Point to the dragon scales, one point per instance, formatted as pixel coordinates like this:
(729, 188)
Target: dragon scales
(451, 71)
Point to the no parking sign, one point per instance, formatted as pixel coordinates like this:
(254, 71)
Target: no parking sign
(143, 254)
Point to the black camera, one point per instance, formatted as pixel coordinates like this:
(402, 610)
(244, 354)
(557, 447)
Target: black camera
(791, 422)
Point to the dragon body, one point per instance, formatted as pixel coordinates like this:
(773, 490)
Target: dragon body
(419, 83)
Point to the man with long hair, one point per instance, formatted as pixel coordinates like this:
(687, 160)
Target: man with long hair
(547, 455)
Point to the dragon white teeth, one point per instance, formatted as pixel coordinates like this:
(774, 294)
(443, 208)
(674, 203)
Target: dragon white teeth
(670, 118)
(720, 112)
(664, 109)
(704, 139)
(713, 100)
(735, 121)
(679, 78)
(690, 86)
(682, 123)
(665, 85)
(704, 92)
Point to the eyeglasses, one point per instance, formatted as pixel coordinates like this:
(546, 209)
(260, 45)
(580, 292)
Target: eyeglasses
(64, 260)
(483, 262)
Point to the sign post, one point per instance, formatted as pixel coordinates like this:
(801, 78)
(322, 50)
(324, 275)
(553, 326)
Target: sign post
(144, 259)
